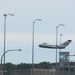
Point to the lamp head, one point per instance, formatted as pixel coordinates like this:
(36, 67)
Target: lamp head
(39, 19)
(10, 14)
(5, 15)
(62, 24)
(19, 50)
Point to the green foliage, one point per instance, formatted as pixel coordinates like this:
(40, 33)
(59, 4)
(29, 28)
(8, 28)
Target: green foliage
(9, 65)
(45, 65)
(41, 65)
(23, 66)
(72, 63)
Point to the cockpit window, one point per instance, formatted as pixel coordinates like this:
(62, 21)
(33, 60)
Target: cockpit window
(44, 43)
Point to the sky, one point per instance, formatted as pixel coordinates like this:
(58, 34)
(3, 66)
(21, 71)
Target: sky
(19, 28)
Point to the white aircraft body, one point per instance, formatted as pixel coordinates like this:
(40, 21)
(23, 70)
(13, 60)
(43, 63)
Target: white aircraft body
(61, 46)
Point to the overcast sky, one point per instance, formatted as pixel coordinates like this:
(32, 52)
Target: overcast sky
(19, 28)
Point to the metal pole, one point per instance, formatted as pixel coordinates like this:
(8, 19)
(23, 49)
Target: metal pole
(5, 16)
(60, 40)
(33, 49)
(2, 58)
(57, 42)
(33, 45)
(4, 41)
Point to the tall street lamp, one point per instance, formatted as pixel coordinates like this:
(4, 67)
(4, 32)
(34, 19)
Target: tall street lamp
(5, 16)
(33, 44)
(2, 58)
(57, 42)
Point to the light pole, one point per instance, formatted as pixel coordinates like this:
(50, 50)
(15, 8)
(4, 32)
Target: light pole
(57, 42)
(2, 58)
(60, 40)
(5, 16)
(33, 44)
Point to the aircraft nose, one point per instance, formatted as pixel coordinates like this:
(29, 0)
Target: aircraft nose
(39, 45)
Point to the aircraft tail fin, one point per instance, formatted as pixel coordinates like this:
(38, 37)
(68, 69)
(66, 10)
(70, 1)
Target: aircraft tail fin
(66, 43)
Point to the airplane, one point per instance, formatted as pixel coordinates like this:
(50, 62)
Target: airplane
(61, 46)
